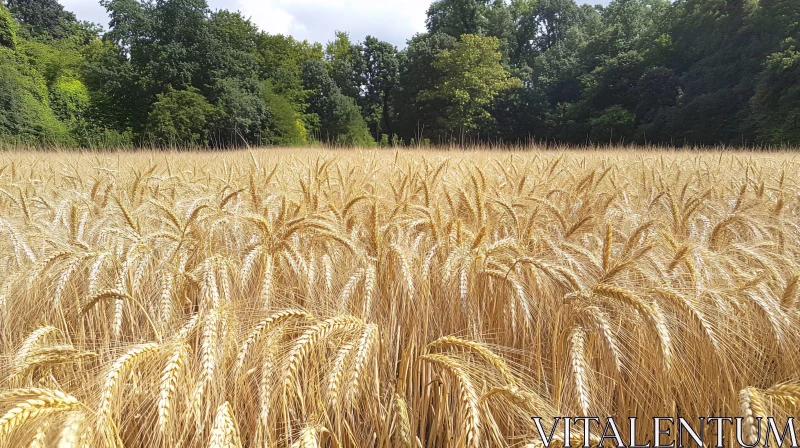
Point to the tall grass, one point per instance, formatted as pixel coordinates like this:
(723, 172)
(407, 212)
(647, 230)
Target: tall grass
(391, 299)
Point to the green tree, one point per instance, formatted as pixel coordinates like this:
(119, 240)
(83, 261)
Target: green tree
(614, 82)
(161, 45)
(179, 117)
(8, 33)
(552, 19)
(694, 71)
(524, 27)
(345, 64)
(557, 72)
(501, 25)
(239, 115)
(281, 60)
(337, 116)
(43, 17)
(177, 45)
(658, 88)
(379, 79)
(776, 103)
(417, 115)
(559, 67)
(719, 53)
(518, 115)
(180, 51)
(232, 46)
(457, 17)
(472, 79)
(632, 25)
(118, 99)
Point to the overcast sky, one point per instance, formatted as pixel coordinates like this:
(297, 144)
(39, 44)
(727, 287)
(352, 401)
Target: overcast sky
(316, 20)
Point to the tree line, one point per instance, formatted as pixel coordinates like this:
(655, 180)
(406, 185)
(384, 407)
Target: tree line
(176, 73)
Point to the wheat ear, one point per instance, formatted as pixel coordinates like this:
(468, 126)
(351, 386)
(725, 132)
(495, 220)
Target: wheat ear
(579, 370)
(467, 397)
(349, 289)
(365, 343)
(74, 432)
(650, 312)
(370, 281)
(31, 341)
(752, 408)
(266, 285)
(596, 315)
(789, 297)
(39, 440)
(264, 327)
(489, 356)
(337, 373)
(309, 338)
(225, 432)
(687, 305)
(402, 434)
(265, 391)
(168, 385)
(44, 403)
(309, 437)
(117, 371)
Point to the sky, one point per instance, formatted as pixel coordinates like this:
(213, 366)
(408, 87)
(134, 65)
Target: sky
(394, 21)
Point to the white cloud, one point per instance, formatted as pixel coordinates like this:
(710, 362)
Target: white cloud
(265, 14)
(89, 10)
(394, 21)
(317, 20)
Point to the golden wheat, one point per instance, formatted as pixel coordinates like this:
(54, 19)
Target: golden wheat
(278, 298)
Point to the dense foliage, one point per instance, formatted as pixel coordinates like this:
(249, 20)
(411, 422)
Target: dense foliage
(174, 72)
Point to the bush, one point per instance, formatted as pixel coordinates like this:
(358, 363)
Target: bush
(179, 117)
(69, 98)
(239, 114)
(25, 113)
(88, 134)
(284, 126)
(615, 124)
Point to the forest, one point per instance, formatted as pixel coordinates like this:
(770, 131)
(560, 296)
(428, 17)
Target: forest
(174, 73)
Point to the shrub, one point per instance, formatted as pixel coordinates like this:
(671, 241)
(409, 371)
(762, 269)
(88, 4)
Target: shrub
(179, 118)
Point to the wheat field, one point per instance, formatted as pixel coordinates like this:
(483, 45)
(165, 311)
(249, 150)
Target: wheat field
(311, 298)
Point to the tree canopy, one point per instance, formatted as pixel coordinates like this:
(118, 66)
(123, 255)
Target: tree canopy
(175, 72)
